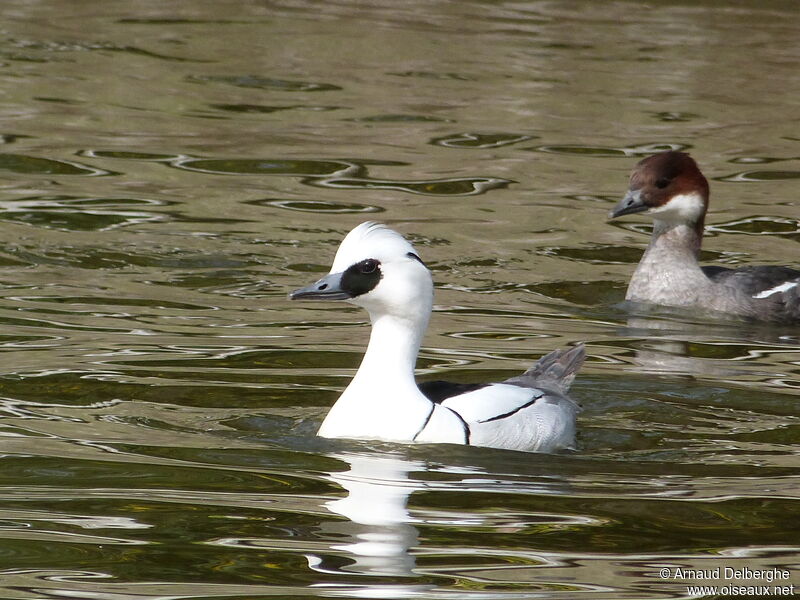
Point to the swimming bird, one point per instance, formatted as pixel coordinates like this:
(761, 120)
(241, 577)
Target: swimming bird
(670, 188)
(377, 269)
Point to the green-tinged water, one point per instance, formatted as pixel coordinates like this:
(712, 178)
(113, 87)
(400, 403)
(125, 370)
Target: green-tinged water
(170, 170)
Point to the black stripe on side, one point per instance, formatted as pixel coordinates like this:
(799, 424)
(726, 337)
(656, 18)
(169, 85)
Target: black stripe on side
(415, 257)
(512, 412)
(425, 424)
(467, 432)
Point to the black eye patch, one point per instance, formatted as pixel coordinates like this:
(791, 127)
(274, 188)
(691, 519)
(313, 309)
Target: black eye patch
(361, 277)
(663, 182)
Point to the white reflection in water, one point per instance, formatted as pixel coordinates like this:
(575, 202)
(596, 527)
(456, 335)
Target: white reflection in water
(378, 487)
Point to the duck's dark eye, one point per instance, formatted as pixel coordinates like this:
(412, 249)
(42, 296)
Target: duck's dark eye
(368, 266)
(662, 183)
(361, 277)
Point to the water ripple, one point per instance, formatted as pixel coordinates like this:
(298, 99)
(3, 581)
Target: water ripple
(637, 150)
(31, 165)
(401, 118)
(676, 116)
(73, 213)
(749, 176)
(434, 75)
(480, 140)
(265, 83)
(267, 109)
(758, 225)
(455, 186)
(50, 47)
(595, 254)
(756, 160)
(132, 155)
(301, 167)
(336, 174)
(320, 206)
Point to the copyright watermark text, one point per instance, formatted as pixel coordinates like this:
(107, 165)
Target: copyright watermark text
(741, 582)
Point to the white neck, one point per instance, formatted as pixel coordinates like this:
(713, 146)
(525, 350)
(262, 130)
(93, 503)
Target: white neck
(392, 351)
(383, 400)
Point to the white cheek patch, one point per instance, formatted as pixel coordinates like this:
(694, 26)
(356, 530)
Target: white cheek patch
(777, 289)
(683, 207)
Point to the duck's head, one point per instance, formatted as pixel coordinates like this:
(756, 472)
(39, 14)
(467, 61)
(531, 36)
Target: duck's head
(670, 187)
(376, 268)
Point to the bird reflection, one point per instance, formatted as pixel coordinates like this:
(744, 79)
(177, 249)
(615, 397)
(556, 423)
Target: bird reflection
(378, 532)
(669, 344)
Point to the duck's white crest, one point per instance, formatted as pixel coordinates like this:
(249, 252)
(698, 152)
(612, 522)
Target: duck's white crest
(373, 239)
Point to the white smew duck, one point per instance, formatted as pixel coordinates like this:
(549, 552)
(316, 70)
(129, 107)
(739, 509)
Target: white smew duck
(377, 269)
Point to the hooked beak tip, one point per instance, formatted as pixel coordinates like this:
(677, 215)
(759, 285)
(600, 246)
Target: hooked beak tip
(327, 288)
(630, 204)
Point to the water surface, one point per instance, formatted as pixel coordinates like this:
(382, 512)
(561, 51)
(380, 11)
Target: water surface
(170, 172)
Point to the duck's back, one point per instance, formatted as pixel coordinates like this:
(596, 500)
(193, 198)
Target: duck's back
(529, 412)
(516, 418)
(774, 290)
(753, 280)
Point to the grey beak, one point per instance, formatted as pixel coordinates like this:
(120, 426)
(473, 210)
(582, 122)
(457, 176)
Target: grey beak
(327, 288)
(631, 203)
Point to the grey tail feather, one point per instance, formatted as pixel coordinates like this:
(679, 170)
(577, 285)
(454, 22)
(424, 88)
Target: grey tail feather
(554, 371)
